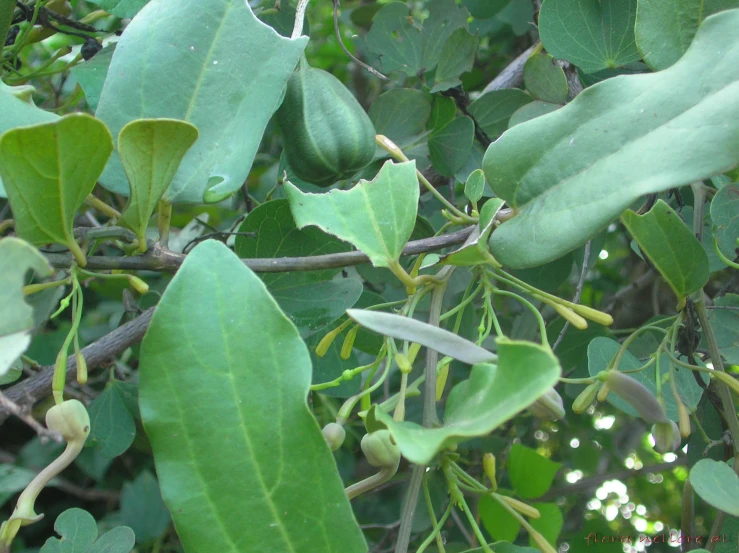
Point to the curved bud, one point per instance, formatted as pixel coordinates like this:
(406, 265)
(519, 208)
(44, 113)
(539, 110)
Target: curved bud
(488, 465)
(70, 419)
(683, 419)
(334, 434)
(548, 407)
(326, 342)
(379, 449)
(586, 398)
(81, 364)
(441, 379)
(637, 395)
(569, 315)
(137, 284)
(403, 363)
(593, 314)
(666, 436)
(603, 393)
(521, 507)
(346, 347)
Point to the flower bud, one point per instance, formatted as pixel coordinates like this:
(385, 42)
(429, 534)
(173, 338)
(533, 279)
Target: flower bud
(139, 285)
(637, 395)
(683, 419)
(593, 314)
(379, 449)
(521, 507)
(541, 542)
(81, 364)
(488, 465)
(666, 436)
(569, 315)
(586, 398)
(334, 434)
(326, 341)
(441, 379)
(548, 407)
(346, 347)
(603, 393)
(403, 363)
(70, 419)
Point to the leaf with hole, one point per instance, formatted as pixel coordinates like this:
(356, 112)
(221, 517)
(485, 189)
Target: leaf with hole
(48, 170)
(377, 216)
(621, 139)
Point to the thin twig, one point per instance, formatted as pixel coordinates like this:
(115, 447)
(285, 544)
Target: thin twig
(369, 68)
(512, 74)
(299, 17)
(578, 293)
(18, 411)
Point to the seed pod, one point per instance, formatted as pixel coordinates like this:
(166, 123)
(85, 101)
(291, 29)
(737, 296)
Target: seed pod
(586, 398)
(488, 465)
(548, 407)
(379, 449)
(334, 435)
(666, 436)
(637, 395)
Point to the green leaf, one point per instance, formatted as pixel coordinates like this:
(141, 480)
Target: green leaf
(544, 79)
(18, 110)
(151, 150)
(531, 474)
(48, 171)
(475, 250)
(91, 75)
(16, 316)
(275, 235)
(519, 14)
(79, 530)
(112, 428)
(211, 63)
(224, 378)
(664, 130)
(484, 9)
(443, 112)
(664, 28)
(549, 524)
(725, 219)
(377, 216)
(499, 523)
(671, 246)
(475, 185)
(402, 44)
(400, 113)
(312, 306)
(450, 147)
(602, 350)
(717, 484)
(125, 9)
(531, 111)
(457, 57)
(478, 405)
(493, 110)
(725, 324)
(143, 509)
(405, 328)
(592, 35)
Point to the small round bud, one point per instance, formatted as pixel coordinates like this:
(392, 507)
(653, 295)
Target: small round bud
(334, 434)
(70, 419)
(379, 449)
(666, 436)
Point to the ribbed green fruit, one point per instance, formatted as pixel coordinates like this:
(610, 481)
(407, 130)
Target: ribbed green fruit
(327, 136)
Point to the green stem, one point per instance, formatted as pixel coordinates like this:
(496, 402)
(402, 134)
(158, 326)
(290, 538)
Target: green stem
(436, 532)
(409, 509)
(102, 207)
(165, 219)
(534, 310)
(35, 288)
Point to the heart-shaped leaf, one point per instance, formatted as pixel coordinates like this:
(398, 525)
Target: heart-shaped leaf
(400, 113)
(230, 70)
(489, 397)
(717, 484)
(78, 532)
(224, 379)
(671, 246)
(664, 130)
(591, 35)
(450, 147)
(375, 216)
(16, 316)
(150, 151)
(405, 328)
(493, 110)
(48, 171)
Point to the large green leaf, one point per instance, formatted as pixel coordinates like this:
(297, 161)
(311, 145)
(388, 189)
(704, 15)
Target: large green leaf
(457, 57)
(240, 458)
(142, 508)
(665, 28)
(375, 216)
(671, 246)
(121, 8)
(592, 34)
(151, 151)
(531, 474)
(48, 171)
(17, 110)
(717, 484)
(450, 147)
(725, 219)
(573, 171)
(489, 397)
(16, 316)
(91, 74)
(211, 63)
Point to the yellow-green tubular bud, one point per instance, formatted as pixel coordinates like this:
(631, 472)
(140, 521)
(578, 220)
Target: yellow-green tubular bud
(637, 395)
(683, 419)
(379, 449)
(586, 398)
(548, 407)
(727, 379)
(593, 314)
(441, 379)
(346, 347)
(603, 393)
(523, 508)
(403, 363)
(326, 342)
(666, 436)
(488, 465)
(81, 364)
(413, 350)
(334, 434)
(569, 315)
(137, 284)
(541, 542)
(70, 419)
